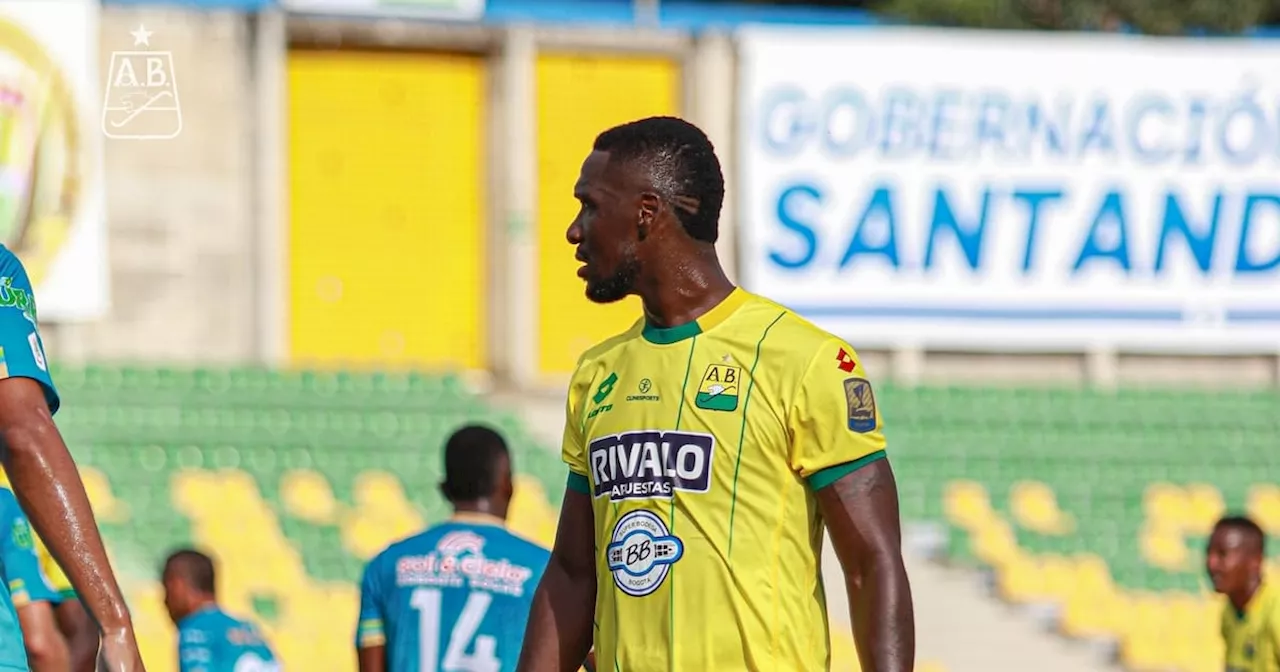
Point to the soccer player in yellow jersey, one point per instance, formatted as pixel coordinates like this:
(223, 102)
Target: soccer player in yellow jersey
(708, 446)
(1251, 616)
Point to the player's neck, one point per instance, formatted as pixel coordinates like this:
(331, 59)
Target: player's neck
(480, 507)
(204, 604)
(1240, 599)
(685, 292)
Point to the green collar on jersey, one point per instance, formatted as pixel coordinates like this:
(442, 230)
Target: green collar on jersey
(668, 335)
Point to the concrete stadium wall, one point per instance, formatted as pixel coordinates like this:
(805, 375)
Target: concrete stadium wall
(194, 223)
(180, 212)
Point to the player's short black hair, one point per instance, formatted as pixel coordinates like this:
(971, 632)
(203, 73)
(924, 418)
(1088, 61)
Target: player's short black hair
(471, 458)
(1247, 526)
(682, 164)
(194, 567)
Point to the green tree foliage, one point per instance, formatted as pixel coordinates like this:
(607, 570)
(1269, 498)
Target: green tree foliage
(1156, 17)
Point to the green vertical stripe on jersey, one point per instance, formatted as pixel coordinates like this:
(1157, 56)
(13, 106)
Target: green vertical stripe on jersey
(746, 401)
(671, 592)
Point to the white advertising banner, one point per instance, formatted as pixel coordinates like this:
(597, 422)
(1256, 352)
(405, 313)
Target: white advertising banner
(1001, 190)
(51, 188)
(456, 10)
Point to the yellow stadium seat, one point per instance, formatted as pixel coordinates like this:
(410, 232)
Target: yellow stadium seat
(1058, 576)
(193, 491)
(151, 622)
(1088, 615)
(105, 506)
(967, 504)
(1165, 503)
(994, 543)
(530, 514)
(844, 653)
(1092, 574)
(929, 666)
(1164, 546)
(1035, 507)
(1020, 579)
(1204, 508)
(1263, 504)
(382, 515)
(307, 496)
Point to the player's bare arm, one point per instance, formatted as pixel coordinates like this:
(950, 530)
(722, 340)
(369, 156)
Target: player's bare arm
(81, 634)
(47, 484)
(46, 650)
(372, 658)
(559, 633)
(861, 512)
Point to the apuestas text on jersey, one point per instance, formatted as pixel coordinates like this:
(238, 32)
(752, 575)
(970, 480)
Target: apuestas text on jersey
(651, 464)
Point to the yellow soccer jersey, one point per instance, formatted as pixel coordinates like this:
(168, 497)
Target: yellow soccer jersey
(702, 446)
(57, 578)
(1253, 638)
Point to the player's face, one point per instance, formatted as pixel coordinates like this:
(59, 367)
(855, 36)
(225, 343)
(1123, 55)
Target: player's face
(175, 596)
(605, 231)
(1230, 560)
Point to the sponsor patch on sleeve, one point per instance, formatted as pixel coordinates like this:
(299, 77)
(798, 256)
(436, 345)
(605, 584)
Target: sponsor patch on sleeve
(862, 405)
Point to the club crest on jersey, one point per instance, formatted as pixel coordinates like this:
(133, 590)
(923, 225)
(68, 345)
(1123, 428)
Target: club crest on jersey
(650, 464)
(862, 404)
(718, 390)
(641, 553)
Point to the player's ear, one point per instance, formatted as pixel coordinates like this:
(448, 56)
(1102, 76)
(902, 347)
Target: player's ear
(647, 214)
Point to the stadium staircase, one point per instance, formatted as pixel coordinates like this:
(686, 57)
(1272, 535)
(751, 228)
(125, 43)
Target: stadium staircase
(1085, 511)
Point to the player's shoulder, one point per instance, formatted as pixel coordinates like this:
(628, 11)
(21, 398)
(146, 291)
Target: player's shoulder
(789, 339)
(610, 348)
(196, 628)
(10, 263)
(520, 546)
(13, 278)
(415, 544)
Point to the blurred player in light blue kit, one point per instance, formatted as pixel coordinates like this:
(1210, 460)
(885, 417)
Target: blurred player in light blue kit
(456, 597)
(209, 639)
(33, 594)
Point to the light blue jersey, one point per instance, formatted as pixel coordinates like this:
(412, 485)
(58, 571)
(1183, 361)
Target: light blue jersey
(27, 581)
(210, 640)
(21, 356)
(452, 599)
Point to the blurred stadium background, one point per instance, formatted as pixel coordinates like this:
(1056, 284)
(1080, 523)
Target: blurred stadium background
(281, 251)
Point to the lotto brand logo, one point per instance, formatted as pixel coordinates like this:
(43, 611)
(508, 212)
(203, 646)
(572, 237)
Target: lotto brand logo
(845, 361)
(651, 464)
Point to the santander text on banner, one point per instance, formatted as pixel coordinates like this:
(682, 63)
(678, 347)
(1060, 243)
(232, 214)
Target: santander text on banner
(988, 189)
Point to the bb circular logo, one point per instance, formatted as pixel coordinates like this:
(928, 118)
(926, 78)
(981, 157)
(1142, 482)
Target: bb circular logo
(641, 553)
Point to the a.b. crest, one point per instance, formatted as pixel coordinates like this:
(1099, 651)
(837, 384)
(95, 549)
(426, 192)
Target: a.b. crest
(718, 390)
(862, 404)
(141, 94)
